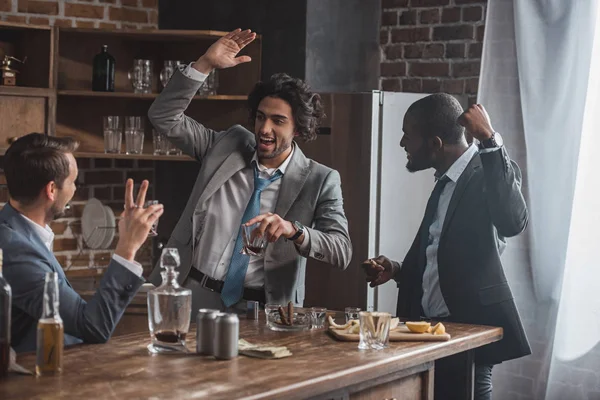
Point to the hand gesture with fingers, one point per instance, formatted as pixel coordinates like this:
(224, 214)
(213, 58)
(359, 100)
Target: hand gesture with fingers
(136, 221)
(224, 52)
(379, 270)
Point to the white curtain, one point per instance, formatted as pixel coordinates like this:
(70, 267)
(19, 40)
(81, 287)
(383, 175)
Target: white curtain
(540, 80)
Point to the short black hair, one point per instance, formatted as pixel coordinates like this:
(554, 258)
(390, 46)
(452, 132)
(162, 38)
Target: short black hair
(437, 115)
(307, 108)
(34, 160)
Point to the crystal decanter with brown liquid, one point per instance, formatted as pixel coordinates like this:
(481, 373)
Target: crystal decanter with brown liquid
(169, 308)
(50, 331)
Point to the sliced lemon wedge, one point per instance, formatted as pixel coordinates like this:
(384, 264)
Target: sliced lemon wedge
(418, 327)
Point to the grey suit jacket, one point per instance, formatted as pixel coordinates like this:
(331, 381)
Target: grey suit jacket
(487, 206)
(26, 262)
(310, 193)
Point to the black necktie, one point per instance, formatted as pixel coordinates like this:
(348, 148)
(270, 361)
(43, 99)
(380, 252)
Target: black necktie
(432, 206)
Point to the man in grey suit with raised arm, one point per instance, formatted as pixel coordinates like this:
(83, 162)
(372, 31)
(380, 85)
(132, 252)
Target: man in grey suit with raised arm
(40, 174)
(252, 177)
(453, 270)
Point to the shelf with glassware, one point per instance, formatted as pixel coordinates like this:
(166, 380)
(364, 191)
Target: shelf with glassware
(129, 69)
(27, 94)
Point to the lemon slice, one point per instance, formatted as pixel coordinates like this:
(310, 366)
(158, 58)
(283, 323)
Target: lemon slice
(438, 329)
(336, 326)
(418, 327)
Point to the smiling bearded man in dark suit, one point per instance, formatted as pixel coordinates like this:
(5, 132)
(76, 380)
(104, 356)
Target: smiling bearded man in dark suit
(453, 270)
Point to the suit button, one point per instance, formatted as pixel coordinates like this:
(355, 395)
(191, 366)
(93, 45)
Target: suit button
(129, 287)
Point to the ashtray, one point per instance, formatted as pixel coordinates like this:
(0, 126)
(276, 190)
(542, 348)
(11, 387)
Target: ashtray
(301, 323)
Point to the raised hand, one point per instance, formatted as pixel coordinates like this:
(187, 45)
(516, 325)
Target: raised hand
(223, 53)
(136, 221)
(477, 122)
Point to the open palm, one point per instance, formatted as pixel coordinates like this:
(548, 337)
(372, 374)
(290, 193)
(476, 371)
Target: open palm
(223, 53)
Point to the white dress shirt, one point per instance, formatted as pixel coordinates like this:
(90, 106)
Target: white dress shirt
(432, 301)
(224, 211)
(47, 237)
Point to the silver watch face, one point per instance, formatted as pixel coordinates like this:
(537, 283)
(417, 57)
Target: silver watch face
(298, 226)
(498, 139)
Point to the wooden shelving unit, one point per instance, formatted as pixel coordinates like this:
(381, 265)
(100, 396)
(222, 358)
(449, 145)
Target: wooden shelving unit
(54, 88)
(141, 96)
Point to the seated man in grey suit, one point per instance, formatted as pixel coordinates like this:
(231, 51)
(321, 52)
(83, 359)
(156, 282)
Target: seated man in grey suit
(249, 177)
(453, 270)
(41, 173)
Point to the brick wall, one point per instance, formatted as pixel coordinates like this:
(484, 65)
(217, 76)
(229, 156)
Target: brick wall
(100, 178)
(104, 14)
(429, 46)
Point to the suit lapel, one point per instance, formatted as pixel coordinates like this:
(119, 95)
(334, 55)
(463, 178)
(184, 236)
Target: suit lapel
(292, 182)
(461, 186)
(234, 162)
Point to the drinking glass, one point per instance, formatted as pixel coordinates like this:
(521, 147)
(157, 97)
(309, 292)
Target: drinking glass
(134, 135)
(161, 143)
(153, 230)
(270, 309)
(210, 85)
(351, 313)
(374, 330)
(254, 244)
(317, 317)
(140, 76)
(112, 134)
(168, 70)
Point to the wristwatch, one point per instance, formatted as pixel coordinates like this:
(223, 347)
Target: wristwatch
(494, 142)
(299, 231)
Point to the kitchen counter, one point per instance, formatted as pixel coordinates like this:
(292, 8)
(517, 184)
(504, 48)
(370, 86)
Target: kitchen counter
(320, 367)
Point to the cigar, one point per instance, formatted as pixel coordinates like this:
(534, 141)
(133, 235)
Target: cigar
(284, 320)
(291, 313)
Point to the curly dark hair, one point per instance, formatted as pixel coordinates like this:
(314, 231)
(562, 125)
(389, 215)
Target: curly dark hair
(307, 108)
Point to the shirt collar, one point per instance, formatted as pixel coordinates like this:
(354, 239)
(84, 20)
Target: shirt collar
(459, 166)
(271, 171)
(45, 233)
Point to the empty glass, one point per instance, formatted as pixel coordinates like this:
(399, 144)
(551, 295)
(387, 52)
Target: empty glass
(174, 150)
(134, 135)
(254, 243)
(270, 309)
(168, 70)
(374, 330)
(154, 228)
(317, 317)
(141, 76)
(112, 134)
(161, 143)
(351, 313)
(210, 85)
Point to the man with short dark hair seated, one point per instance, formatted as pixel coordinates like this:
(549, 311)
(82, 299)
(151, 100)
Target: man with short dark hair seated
(40, 174)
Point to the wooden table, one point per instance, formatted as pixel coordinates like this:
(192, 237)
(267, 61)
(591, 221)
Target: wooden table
(320, 367)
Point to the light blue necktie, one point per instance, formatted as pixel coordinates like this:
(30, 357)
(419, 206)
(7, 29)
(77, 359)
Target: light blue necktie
(233, 288)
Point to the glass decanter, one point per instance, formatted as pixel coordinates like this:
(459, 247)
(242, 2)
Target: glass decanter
(169, 308)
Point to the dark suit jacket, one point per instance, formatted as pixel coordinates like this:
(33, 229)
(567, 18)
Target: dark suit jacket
(26, 261)
(487, 206)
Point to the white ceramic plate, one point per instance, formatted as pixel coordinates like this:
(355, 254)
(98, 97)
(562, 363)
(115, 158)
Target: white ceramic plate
(110, 227)
(92, 221)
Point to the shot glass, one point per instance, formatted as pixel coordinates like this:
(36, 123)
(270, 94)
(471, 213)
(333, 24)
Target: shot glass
(317, 317)
(351, 313)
